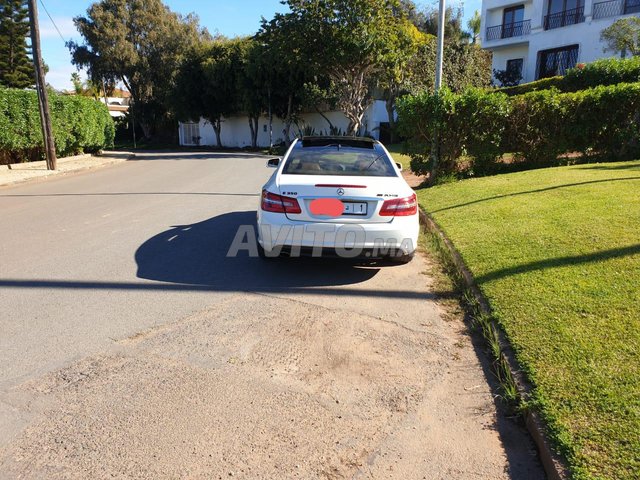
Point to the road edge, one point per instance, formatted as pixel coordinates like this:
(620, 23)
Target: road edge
(553, 464)
(59, 173)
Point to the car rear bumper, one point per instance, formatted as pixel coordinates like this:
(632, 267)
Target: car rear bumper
(400, 236)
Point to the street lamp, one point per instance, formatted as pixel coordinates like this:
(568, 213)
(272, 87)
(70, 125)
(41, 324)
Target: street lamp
(435, 150)
(440, 45)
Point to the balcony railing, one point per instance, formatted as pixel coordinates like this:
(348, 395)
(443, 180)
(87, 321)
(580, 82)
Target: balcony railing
(562, 19)
(613, 8)
(508, 30)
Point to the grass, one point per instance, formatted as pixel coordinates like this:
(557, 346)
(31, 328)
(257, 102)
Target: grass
(557, 253)
(396, 151)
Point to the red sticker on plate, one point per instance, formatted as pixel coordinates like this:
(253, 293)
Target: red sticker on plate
(331, 207)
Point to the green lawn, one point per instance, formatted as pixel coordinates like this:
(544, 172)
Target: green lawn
(396, 152)
(557, 253)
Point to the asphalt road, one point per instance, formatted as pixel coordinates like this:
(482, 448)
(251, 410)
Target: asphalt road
(131, 346)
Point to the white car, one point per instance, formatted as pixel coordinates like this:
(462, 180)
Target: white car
(338, 196)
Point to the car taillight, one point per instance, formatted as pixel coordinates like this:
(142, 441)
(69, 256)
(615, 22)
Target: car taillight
(400, 207)
(279, 204)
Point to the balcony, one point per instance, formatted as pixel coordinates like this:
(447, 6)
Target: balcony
(562, 19)
(510, 30)
(613, 8)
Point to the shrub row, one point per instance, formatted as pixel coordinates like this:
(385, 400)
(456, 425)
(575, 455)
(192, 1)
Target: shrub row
(606, 71)
(80, 124)
(536, 127)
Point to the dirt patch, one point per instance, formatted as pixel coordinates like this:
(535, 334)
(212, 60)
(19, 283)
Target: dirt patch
(412, 179)
(266, 387)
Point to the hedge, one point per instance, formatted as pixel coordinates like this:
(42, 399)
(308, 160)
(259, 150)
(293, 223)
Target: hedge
(80, 124)
(542, 84)
(606, 71)
(537, 127)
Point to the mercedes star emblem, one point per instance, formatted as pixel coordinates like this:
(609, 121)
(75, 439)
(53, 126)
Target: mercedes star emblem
(341, 191)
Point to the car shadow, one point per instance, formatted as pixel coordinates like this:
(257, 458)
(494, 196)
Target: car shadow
(197, 255)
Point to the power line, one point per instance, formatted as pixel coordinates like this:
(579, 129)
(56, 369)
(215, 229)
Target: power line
(54, 23)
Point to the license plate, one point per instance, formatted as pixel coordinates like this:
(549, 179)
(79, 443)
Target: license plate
(353, 208)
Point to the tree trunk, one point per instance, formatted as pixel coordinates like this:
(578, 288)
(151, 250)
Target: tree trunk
(216, 123)
(390, 104)
(146, 130)
(354, 113)
(287, 122)
(253, 125)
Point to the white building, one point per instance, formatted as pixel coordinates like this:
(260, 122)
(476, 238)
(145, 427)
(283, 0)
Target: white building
(546, 37)
(236, 132)
(118, 106)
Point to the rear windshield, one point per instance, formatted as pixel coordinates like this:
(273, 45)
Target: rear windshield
(339, 160)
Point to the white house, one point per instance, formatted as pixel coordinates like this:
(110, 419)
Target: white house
(236, 132)
(544, 38)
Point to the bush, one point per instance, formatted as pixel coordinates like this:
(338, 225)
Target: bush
(418, 121)
(80, 124)
(536, 127)
(473, 122)
(510, 77)
(606, 71)
(542, 84)
(484, 120)
(604, 121)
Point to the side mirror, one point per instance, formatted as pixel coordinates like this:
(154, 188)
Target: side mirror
(273, 162)
(399, 165)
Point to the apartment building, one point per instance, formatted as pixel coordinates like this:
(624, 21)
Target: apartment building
(543, 38)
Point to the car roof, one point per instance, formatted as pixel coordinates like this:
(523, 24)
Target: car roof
(321, 141)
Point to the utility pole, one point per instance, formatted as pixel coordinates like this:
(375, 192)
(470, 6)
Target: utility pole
(435, 150)
(270, 121)
(440, 44)
(41, 87)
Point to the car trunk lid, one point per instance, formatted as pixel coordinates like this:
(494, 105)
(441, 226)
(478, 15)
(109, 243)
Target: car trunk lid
(361, 197)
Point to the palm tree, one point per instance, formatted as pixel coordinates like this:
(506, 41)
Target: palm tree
(474, 25)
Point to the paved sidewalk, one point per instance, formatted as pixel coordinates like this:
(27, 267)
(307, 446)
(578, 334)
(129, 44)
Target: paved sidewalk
(22, 172)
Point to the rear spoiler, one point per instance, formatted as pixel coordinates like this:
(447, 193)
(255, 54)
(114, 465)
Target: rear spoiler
(357, 142)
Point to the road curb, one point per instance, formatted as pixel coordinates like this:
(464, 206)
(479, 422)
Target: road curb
(58, 173)
(553, 464)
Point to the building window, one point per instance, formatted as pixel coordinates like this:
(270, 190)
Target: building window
(612, 8)
(556, 61)
(514, 67)
(631, 6)
(191, 134)
(564, 12)
(512, 21)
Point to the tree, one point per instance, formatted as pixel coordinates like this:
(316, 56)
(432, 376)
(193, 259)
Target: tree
(453, 31)
(509, 77)
(91, 88)
(408, 69)
(78, 87)
(251, 83)
(623, 36)
(207, 84)
(466, 65)
(284, 42)
(16, 68)
(474, 25)
(140, 43)
(346, 41)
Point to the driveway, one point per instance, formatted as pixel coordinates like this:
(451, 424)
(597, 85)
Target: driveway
(133, 347)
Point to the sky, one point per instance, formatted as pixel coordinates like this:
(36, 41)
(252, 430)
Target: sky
(227, 17)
